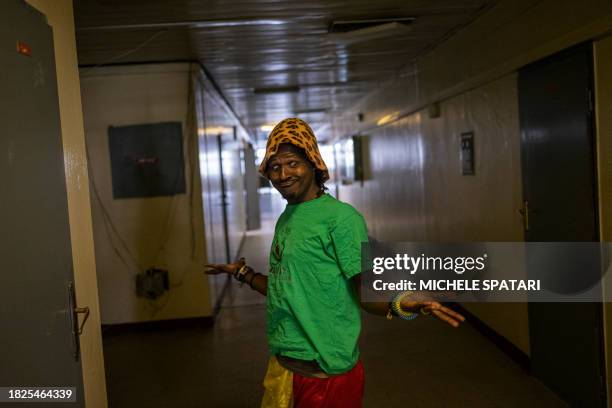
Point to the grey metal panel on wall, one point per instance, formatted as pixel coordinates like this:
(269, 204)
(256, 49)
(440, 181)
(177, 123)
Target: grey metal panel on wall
(147, 160)
(37, 340)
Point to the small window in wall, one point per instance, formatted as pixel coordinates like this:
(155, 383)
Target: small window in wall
(147, 160)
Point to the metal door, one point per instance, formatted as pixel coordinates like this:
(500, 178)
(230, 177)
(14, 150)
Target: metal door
(559, 188)
(38, 346)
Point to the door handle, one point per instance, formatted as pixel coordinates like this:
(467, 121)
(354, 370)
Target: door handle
(76, 328)
(85, 311)
(525, 214)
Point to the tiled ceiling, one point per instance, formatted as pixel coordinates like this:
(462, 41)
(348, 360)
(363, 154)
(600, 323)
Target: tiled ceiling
(271, 43)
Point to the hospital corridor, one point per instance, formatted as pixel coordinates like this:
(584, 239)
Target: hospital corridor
(289, 204)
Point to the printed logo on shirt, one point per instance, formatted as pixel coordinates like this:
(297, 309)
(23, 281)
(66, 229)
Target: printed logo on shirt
(278, 254)
(279, 274)
(278, 245)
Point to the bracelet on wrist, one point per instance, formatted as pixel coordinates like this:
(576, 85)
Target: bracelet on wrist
(395, 308)
(240, 274)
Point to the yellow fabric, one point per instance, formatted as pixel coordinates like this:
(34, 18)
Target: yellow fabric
(278, 385)
(298, 133)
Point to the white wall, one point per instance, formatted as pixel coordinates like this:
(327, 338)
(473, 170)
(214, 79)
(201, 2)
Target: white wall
(416, 192)
(140, 94)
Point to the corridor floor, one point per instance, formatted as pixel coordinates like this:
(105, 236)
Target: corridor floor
(417, 364)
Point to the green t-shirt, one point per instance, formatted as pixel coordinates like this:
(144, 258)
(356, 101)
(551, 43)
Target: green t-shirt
(313, 313)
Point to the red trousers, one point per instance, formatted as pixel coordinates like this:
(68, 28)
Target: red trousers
(339, 391)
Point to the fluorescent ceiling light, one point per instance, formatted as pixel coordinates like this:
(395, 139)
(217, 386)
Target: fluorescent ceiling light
(277, 89)
(213, 130)
(310, 111)
(369, 33)
(345, 26)
(387, 119)
(235, 23)
(267, 128)
(188, 23)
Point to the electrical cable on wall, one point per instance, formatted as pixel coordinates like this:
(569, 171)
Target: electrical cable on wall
(108, 222)
(126, 53)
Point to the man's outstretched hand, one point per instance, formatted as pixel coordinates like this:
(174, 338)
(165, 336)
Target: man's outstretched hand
(216, 269)
(435, 309)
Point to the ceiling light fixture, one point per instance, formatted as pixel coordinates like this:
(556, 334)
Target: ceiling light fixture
(213, 130)
(387, 119)
(310, 111)
(355, 31)
(188, 23)
(345, 26)
(267, 128)
(277, 89)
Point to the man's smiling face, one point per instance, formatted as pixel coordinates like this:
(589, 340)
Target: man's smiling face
(292, 174)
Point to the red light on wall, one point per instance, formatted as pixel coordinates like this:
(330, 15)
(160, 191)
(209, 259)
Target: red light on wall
(24, 49)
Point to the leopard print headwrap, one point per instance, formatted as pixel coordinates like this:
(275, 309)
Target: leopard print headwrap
(296, 132)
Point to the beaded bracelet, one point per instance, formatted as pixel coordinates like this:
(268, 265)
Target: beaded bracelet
(396, 307)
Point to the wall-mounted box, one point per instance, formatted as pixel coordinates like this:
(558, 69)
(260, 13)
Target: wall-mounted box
(361, 157)
(147, 160)
(466, 154)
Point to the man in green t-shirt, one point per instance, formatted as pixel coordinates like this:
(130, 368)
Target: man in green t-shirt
(312, 288)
